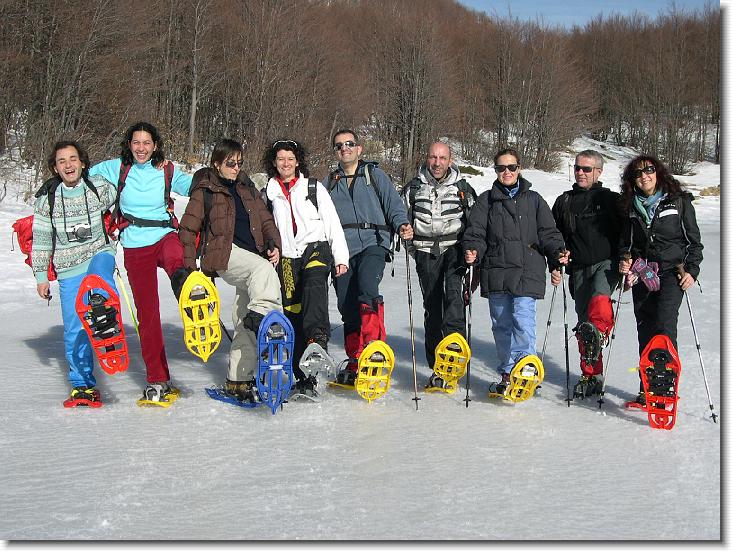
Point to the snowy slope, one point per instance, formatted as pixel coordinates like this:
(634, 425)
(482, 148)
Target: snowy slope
(345, 469)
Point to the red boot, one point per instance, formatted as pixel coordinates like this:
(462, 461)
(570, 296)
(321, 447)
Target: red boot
(353, 346)
(600, 315)
(372, 323)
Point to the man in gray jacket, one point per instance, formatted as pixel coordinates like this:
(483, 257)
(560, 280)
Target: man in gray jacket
(438, 201)
(371, 211)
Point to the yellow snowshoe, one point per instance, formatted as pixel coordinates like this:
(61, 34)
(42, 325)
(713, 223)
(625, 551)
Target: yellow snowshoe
(199, 308)
(452, 355)
(526, 376)
(374, 370)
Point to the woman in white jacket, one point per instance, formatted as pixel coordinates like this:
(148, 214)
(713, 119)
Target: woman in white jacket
(313, 245)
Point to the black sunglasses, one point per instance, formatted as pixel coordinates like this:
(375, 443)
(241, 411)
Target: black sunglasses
(583, 168)
(501, 168)
(350, 144)
(650, 169)
(231, 164)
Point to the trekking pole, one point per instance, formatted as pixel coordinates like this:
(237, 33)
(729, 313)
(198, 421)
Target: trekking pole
(548, 323)
(470, 327)
(127, 299)
(566, 333)
(626, 256)
(223, 327)
(681, 272)
(411, 326)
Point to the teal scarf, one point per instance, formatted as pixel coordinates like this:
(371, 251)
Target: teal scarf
(646, 206)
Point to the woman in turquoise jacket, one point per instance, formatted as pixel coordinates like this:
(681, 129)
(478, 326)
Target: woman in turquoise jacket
(149, 237)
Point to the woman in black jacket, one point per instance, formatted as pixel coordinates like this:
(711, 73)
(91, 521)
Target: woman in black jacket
(512, 236)
(659, 226)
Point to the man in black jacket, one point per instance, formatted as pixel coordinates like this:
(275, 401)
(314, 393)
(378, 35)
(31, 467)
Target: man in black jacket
(588, 218)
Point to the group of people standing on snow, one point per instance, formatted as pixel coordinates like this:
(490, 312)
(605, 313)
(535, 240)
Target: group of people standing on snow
(279, 246)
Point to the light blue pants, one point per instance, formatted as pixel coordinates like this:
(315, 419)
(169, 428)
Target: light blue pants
(514, 328)
(78, 350)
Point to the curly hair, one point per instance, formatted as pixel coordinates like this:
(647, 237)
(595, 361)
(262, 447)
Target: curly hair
(268, 161)
(61, 144)
(664, 180)
(158, 155)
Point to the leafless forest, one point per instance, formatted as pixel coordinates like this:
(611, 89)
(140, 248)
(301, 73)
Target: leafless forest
(403, 72)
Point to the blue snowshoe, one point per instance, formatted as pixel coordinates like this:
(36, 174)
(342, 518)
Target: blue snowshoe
(275, 346)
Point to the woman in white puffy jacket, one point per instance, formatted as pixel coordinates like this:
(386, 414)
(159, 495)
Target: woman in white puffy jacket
(313, 245)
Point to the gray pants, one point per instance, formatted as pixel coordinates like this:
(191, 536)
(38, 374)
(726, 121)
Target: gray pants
(585, 282)
(257, 289)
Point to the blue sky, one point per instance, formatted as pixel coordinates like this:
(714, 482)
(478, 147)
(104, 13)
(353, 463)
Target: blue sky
(570, 12)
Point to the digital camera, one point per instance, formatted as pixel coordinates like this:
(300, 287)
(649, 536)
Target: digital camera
(79, 233)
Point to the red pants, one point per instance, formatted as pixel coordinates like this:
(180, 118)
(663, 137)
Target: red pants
(142, 265)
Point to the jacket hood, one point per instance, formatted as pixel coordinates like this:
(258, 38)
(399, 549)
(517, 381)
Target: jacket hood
(451, 177)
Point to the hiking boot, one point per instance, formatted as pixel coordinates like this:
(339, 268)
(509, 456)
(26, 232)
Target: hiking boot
(588, 386)
(159, 392)
(321, 338)
(436, 381)
(244, 391)
(640, 399)
(499, 387)
(346, 377)
(307, 386)
(83, 396)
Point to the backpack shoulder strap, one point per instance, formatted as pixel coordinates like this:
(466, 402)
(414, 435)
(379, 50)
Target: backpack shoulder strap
(313, 191)
(367, 175)
(168, 170)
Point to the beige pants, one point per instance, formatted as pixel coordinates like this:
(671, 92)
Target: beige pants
(257, 289)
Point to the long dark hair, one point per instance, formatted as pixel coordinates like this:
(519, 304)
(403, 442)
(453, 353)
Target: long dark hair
(61, 144)
(288, 145)
(158, 155)
(664, 180)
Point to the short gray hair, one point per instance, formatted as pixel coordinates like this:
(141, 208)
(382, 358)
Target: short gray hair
(596, 156)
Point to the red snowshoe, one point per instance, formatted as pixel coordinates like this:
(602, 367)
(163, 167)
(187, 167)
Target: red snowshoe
(660, 369)
(101, 318)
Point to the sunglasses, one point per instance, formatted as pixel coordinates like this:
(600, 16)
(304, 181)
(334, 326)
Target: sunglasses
(501, 168)
(231, 164)
(584, 169)
(650, 169)
(286, 142)
(350, 144)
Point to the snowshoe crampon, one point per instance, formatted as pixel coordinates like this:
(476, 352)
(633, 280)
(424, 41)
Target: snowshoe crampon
(81, 396)
(101, 318)
(199, 306)
(525, 377)
(159, 395)
(660, 369)
(315, 360)
(587, 386)
(452, 355)
(276, 343)
(219, 394)
(374, 370)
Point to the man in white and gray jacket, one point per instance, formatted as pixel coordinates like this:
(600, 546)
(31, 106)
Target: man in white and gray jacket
(438, 201)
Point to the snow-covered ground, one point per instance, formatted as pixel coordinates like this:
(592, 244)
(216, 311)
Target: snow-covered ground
(346, 469)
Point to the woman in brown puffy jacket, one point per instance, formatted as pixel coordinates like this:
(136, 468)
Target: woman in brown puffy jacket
(240, 243)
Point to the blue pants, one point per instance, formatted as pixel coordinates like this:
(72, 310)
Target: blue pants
(78, 350)
(360, 285)
(514, 328)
